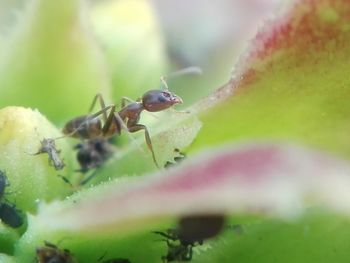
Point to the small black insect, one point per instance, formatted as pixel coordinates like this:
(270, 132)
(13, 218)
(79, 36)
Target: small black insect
(49, 146)
(178, 250)
(191, 231)
(10, 215)
(3, 184)
(200, 227)
(50, 253)
(93, 153)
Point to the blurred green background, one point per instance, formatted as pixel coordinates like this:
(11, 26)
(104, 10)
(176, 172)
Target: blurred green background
(56, 57)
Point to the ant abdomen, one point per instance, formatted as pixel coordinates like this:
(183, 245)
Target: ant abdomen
(83, 127)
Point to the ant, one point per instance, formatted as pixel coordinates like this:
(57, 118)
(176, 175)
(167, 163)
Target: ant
(191, 230)
(90, 126)
(9, 214)
(50, 253)
(49, 146)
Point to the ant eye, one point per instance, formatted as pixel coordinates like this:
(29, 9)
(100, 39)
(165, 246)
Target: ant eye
(166, 94)
(161, 99)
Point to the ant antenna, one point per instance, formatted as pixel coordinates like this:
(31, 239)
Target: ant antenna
(162, 79)
(184, 71)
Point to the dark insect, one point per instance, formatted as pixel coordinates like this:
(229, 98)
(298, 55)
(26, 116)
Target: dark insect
(49, 146)
(93, 153)
(191, 231)
(178, 250)
(198, 228)
(10, 215)
(3, 184)
(178, 159)
(90, 126)
(50, 253)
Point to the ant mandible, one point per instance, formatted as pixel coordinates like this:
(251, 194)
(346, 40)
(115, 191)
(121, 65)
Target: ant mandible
(90, 126)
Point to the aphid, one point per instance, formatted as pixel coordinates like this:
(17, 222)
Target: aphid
(3, 184)
(197, 228)
(50, 253)
(191, 231)
(177, 249)
(93, 153)
(49, 146)
(10, 215)
(90, 126)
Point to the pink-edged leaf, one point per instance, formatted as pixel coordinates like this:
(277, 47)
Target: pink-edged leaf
(263, 179)
(292, 83)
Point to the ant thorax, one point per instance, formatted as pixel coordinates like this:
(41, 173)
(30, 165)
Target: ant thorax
(131, 111)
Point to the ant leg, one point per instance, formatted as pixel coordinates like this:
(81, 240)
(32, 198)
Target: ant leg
(125, 100)
(164, 235)
(189, 256)
(49, 244)
(114, 116)
(109, 121)
(102, 104)
(138, 127)
(87, 179)
(66, 180)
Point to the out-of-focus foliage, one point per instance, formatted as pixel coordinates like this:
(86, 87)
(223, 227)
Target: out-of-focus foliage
(291, 85)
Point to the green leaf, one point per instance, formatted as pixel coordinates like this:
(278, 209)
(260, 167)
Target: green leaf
(260, 180)
(30, 176)
(319, 236)
(292, 84)
(172, 131)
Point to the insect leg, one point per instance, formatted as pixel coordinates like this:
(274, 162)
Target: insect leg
(104, 110)
(109, 121)
(138, 127)
(164, 235)
(102, 105)
(188, 257)
(125, 100)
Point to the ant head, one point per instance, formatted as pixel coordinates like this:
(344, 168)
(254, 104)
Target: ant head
(158, 100)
